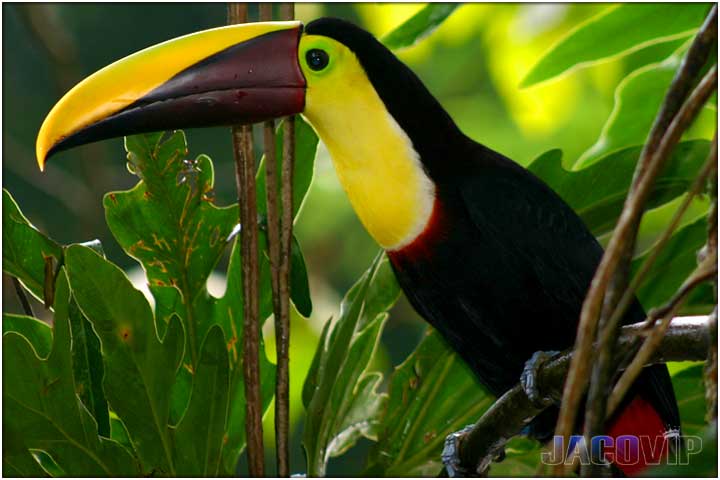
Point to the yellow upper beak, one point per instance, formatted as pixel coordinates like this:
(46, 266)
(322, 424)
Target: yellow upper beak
(234, 74)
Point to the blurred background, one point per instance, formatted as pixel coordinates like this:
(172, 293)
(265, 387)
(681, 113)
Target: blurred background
(473, 64)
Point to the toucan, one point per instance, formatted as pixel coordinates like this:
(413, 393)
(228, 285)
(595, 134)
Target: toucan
(484, 250)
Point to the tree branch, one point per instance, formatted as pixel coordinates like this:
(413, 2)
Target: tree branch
(687, 338)
(616, 257)
(704, 272)
(24, 301)
(245, 176)
(282, 318)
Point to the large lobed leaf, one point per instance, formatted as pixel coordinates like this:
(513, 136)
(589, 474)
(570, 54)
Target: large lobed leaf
(340, 393)
(169, 222)
(42, 411)
(139, 367)
(597, 192)
(618, 31)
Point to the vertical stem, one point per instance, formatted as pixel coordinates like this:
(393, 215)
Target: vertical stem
(282, 321)
(280, 297)
(245, 176)
(711, 365)
(27, 308)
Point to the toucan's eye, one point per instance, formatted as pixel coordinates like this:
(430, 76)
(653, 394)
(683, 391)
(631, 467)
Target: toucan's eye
(317, 59)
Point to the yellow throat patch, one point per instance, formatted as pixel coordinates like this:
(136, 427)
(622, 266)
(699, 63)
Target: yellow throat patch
(374, 158)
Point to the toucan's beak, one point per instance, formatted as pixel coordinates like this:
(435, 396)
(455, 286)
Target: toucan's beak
(230, 75)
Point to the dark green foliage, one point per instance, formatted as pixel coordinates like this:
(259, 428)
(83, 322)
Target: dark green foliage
(25, 249)
(132, 391)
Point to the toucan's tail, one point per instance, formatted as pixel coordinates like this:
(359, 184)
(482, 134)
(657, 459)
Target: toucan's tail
(640, 438)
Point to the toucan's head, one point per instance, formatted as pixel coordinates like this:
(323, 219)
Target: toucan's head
(385, 132)
(232, 75)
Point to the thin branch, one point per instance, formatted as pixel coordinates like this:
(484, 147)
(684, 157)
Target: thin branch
(24, 301)
(687, 339)
(615, 296)
(596, 410)
(245, 176)
(711, 366)
(277, 278)
(282, 321)
(706, 271)
(623, 236)
(695, 189)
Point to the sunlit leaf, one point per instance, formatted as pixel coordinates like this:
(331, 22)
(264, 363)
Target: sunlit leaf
(618, 31)
(139, 367)
(637, 101)
(41, 408)
(419, 25)
(597, 192)
(340, 393)
(25, 248)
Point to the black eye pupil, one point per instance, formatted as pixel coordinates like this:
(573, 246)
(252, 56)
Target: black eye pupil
(317, 59)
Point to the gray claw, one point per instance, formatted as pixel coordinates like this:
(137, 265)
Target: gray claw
(528, 378)
(451, 454)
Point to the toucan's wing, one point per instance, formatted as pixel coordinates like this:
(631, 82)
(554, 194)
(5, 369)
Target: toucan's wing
(549, 256)
(553, 256)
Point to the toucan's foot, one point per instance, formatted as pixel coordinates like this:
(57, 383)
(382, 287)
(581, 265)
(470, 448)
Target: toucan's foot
(451, 457)
(451, 454)
(529, 377)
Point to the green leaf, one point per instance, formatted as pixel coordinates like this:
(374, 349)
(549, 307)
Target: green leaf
(35, 331)
(169, 223)
(597, 192)
(48, 464)
(615, 32)
(432, 394)
(228, 313)
(673, 265)
(690, 394)
(637, 101)
(522, 459)
(25, 248)
(299, 285)
(88, 367)
(17, 461)
(199, 435)
(419, 25)
(306, 142)
(139, 368)
(340, 393)
(40, 405)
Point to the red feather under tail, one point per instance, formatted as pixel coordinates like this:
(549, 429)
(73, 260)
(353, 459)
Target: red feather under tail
(640, 438)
